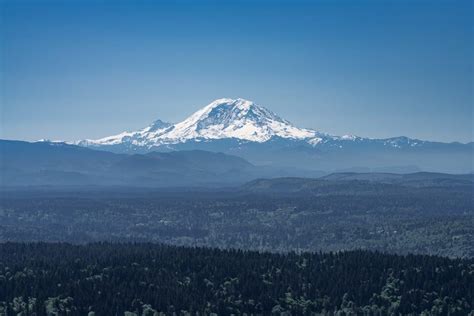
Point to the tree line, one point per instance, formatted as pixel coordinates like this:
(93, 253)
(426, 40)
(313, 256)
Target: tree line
(155, 279)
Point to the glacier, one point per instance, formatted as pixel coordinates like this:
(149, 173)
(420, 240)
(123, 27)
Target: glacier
(243, 128)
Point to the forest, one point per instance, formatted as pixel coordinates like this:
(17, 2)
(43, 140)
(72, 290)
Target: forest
(153, 279)
(326, 216)
(271, 247)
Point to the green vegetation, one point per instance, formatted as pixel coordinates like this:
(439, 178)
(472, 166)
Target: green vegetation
(150, 279)
(319, 216)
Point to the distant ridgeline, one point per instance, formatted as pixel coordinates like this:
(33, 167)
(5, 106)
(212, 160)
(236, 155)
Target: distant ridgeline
(245, 129)
(151, 279)
(61, 164)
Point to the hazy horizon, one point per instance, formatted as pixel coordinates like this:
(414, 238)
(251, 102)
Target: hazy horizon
(379, 69)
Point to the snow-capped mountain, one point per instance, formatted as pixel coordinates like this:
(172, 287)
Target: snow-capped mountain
(243, 128)
(221, 119)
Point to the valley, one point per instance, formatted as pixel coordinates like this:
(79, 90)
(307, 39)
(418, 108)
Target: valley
(236, 158)
(430, 216)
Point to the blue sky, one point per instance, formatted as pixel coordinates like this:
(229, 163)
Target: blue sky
(86, 69)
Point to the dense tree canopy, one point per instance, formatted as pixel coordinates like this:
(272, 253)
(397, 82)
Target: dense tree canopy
(149, 279)
(340, 216)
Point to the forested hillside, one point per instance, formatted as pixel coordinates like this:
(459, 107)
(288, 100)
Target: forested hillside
(153, 279)
(272, 215)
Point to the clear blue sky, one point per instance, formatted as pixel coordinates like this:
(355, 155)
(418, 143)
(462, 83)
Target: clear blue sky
(86, 69)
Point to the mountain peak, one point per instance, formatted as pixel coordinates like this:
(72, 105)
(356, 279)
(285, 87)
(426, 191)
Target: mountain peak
(158, 125)
(226, 109)
(227, 106)
(237, 121)
(221, 119)
(239, 102)
(235, 118)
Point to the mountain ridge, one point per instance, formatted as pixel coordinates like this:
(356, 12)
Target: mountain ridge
(243, 128)
(222, 118)
(349, 183)
(46, 163)
(238, 119)
(55, 163)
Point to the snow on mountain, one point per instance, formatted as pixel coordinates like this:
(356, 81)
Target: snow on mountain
(228, 118)
(234, 119)
(144, 137)
(221, 119)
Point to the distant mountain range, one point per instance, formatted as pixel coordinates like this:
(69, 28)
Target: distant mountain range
(242, 128)
(52, 163)
(60, 164)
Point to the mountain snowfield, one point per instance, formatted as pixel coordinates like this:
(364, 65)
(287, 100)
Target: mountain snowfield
(221, 119)
(226, 118)
(242, 128)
